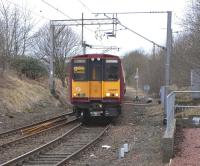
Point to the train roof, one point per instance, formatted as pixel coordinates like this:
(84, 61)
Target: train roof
(95, 56)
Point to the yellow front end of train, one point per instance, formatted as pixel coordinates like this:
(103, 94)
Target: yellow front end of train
(96, 85)
(95, 89)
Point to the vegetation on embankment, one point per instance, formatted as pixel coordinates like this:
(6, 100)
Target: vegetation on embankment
(23, 94)
(19, 95)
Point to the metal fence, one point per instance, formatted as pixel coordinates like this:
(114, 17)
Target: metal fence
(170, 110)
(171, 106)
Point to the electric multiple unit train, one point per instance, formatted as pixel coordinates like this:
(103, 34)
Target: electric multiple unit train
(97, 85)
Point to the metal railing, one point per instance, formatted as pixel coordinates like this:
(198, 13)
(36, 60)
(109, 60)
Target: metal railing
(170, 110)
(170, 107)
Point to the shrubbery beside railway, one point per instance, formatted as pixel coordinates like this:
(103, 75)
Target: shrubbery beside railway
(30, 67)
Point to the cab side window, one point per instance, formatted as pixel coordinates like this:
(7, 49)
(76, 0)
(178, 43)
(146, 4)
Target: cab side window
(111, 70)
(79, 70)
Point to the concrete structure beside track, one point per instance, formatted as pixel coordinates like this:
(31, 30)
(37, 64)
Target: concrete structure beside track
(168, 144)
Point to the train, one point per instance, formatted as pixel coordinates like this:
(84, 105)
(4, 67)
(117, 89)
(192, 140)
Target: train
(97, 85)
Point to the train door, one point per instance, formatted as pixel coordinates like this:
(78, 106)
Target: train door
(95, 70)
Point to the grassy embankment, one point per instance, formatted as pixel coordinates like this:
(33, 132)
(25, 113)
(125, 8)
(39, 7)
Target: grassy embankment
(18, 95)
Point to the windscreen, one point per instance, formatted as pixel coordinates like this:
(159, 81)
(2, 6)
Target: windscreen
(95, 70)
(111, 70)
(80, 70)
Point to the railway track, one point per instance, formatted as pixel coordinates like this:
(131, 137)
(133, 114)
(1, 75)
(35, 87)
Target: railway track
(24, 134)
(61, 149)
(139, 103)
(20, 145)
(9, 137)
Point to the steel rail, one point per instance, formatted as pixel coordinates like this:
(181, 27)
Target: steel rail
(83, 148)
(57, 158)
(139, 104)
(43, 126)
(14, 131)
(11, 143)
(20, 159)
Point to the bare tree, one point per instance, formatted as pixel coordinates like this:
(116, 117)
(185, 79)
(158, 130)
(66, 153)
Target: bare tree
(15, 32)
(153, 73)
(151, 69)
(192, 26)
(186, 47)
(67, 43)
(132, 61)
(186, 56)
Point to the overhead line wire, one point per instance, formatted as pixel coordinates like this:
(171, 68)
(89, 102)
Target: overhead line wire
(43, 17)
(126, 27)
(141, 36)
(56, 9)
(85, 6)
(50, 5)
(151, 12)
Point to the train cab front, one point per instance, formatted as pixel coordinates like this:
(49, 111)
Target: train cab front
(96, 86)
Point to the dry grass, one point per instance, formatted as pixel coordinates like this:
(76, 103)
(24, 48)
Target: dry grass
(188, 112)
(19, 95)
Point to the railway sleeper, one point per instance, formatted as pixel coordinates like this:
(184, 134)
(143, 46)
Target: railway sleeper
(51, 157)
(38, 162)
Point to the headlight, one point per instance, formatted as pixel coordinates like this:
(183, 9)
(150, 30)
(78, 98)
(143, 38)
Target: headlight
(116, 94)
(74, 94)
(108, 94)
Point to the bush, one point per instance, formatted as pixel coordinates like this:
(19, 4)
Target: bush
(30, 67)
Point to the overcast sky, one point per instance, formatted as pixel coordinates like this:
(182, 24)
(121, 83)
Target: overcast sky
(152, 26)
